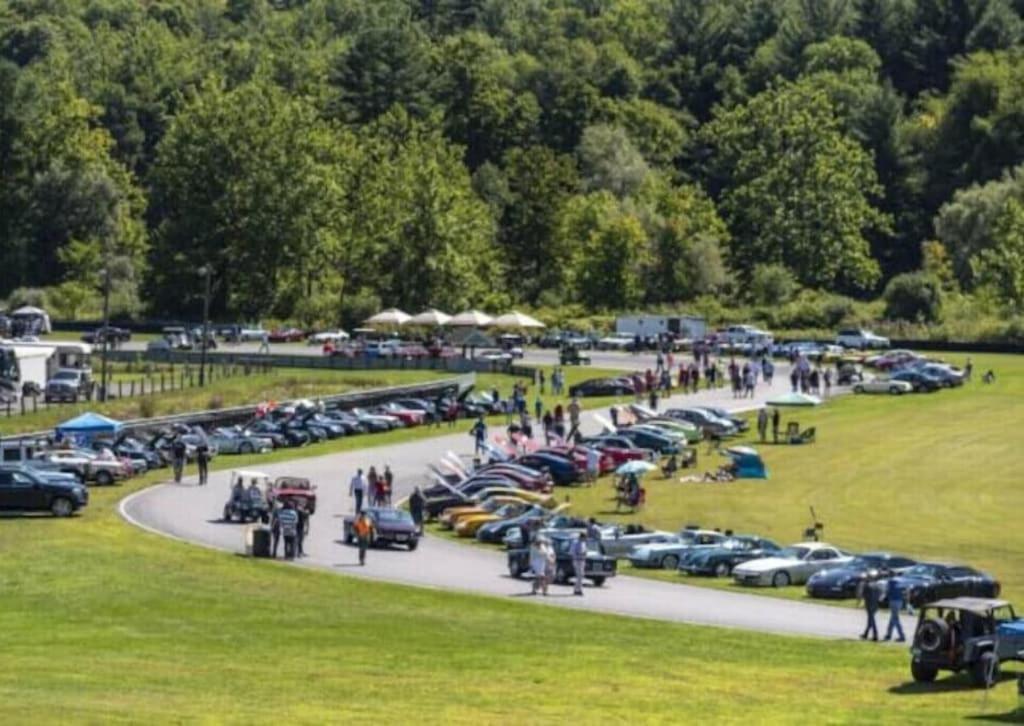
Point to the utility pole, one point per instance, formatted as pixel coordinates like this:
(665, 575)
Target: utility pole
(206, 271)
(105, 330)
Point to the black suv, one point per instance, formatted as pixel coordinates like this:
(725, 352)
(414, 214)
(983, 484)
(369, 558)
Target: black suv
(22, 490)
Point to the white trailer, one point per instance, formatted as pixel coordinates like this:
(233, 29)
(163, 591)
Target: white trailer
(25, 364)
(688, 327)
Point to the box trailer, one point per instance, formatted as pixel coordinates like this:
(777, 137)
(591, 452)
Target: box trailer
(689, 327)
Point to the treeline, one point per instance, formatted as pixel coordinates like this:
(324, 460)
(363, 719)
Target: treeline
(325, 157)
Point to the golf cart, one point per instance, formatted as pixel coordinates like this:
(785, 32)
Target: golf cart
(298, 490)
(570, 355)
(248, 501)
(966, 634)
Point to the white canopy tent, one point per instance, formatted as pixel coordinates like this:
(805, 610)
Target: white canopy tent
(431, 317)
(391, 316)
(517, 321)
(471, 319)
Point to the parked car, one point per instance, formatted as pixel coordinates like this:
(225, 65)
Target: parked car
(563, 470)
(860, 339)
(494, 532)
(883, 384)
(276, 432)
(390, 526)
(892, 359)
(87, 465)
(790, 566)
(704, 419)
(375, 419)
(598, 567)
(745, 335)
(235, 441)
(919, 380)
(408, 416)
(929, 581)
(667, 555)
(23, 490)
(133, 448)
(618, 341)
(842, 582)
(467, 525)
(619, 540)
(947, 375)
(113, 335)
(603, 387)
(719, 561)
(68, 384)
(286, 335)
(966, 634)
(656, 441)
(739, 422)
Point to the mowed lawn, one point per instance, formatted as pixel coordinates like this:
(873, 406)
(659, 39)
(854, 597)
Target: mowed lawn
(935, 476)
(104, 623)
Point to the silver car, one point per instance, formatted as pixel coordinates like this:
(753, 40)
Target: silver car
(792, 566)
(233, 441)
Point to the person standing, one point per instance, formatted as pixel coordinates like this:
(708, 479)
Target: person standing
(868, 594)
(203, 462)
(827, 377)
(373, 487)
(416, 502)
(538, 408)
(275, 531)
(389, 484)
(265, 342)
(593, 464)
(613, 412)
(894, 594)
(479, 432)
(363, 529)
(301, 528)
(178, 454)
(539, 564)
(289, 520)
(762, 424)
(578, 551)
(357, 490)
(593, 531)
(574, 416)
(540, 380)
(776, 423)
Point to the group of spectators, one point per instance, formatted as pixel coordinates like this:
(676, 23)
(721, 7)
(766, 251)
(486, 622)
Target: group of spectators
(373, 488)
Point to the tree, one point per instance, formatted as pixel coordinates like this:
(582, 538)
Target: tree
(794, 189)
(772, 285)
(609, 161)
(1001, 267)
(913, 296)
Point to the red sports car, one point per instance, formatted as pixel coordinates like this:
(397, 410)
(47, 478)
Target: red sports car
(406, 415)
(286, 335)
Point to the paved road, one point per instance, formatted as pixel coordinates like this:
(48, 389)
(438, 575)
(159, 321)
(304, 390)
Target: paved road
(192, 513)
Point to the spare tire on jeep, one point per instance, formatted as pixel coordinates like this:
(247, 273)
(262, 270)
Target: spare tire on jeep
(932, 635)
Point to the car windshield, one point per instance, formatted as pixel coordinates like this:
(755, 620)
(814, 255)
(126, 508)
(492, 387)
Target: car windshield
(794, 553)
(65, 376)
(393, 515)
(922, 571)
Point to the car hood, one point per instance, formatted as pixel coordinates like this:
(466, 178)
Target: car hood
(764, 564)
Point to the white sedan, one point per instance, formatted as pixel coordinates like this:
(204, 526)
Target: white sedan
(883, 385)
(791, 566)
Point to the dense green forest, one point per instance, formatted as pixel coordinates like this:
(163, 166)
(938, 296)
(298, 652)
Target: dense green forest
(329, 156)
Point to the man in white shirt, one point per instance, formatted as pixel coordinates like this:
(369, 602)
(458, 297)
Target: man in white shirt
(593, 463)
(578, 550)
(357, 488)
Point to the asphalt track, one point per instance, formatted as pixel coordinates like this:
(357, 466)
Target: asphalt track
(192, 513)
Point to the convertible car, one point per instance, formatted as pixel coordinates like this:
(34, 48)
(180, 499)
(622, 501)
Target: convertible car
(719, 561)
(842, 582)
(667, 555)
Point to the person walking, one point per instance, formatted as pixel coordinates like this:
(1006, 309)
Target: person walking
(416, 503)
(289, 520)
(265, 342)
(275, 531)
(479, 432)
(373, 487)
(578, 551)
(538, 408)
(539, 564)
(867, 593)
(574, 415)
(363, 529)
(776, 423)
(827, 377)
(894, 594)
(178, 452)
(389, 484)
(357, 490)
(203, 462)
(762, 424)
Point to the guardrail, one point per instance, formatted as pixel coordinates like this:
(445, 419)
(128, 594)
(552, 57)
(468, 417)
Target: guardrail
(241, 414)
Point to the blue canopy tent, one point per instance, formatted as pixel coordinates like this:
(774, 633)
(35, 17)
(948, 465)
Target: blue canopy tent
(749, 464)
(84, 428)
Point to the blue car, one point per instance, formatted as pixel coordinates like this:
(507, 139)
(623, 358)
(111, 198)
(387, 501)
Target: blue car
(646, 439)
(919, 380)
(563, 471)
(494, 532)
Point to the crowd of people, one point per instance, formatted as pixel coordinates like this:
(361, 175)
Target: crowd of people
(373, 488)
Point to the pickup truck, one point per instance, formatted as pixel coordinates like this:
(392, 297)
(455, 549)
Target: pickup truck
(68, 384)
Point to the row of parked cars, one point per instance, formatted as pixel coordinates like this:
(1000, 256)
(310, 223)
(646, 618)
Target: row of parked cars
(904, 371)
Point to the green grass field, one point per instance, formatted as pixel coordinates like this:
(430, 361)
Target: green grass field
(935, 476)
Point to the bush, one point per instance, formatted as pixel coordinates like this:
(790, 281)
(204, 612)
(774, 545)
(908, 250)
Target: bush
(215, 403)
(772, 285)
(913, 296)
(147, 407)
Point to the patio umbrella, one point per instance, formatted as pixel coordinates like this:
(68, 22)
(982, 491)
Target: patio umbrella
(391, 316)
(636, 467)
(471, 318)
(433, 318)
(794, 399)
(516, 320)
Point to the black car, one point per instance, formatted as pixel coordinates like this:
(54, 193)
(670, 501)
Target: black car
(928, 582)
(390, 526)
(111, 334)
(131, 448)
(720, 561)
(292, 435)
(332, 428)
(739, 422)
(603, 387)
(842, 582)
(22, 490)
(349, 423)
(494, 532)
(919, 380)
(650, 440)
(598, 568)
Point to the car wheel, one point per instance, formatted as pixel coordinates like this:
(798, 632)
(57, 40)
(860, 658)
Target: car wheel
(781, 579)
(246, 448)
(598, 581)
(895, 390)
(923, 673)
(858, 389)
(670, 562)
(61, 507)
(413, 544)
(985, 672)
(104, 478)
(722, 569)
(514, 570)
(561, 575)
(227, 515)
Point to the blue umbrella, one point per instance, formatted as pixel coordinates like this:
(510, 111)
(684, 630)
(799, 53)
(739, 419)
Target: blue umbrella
(636, 467)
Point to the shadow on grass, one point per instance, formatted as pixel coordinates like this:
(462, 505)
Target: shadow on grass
(952, 684)
(1016, 716)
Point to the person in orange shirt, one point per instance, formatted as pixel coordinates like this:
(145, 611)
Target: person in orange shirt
(364, 532)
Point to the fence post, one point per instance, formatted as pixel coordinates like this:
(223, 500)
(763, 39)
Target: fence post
(120, 392)
(181, 383)
(131, 391)
(162, 387)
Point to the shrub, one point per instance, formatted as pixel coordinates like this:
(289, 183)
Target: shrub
(913, 296)
(215, 403)
(772, 285)
(147, 407)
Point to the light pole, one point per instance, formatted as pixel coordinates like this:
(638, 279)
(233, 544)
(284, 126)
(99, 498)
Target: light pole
(206, 271)
(105, 332)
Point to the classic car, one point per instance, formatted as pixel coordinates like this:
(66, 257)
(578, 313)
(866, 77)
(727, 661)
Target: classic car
(556, 523)
(24, 490)
(739, 422)
(603, 387)
(390, 526)
(494, 532)
(619, 540)
(790, 566)
(87, 465)
(667, 555)
(562, 469)
(277, 433)
(691, 432)
(352, 425)
(921, 381)
(334, 429)
(930, 581)
(408, 416)
(842, 582)
(286, 335)
(489, 505)
(133, 448)
(234, 441)
(703, 419)
(721, 560)
(883, 384)
(949, 376)
(654, 440)
(892, 359)
(374, 420)
(468, 525)
(616, 441)
(598, 567)
(295, 488)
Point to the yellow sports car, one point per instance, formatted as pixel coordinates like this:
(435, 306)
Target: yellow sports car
(450, 517)
(468, 526)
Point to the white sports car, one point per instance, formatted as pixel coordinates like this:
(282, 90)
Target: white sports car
(791, 566)
(883, 385)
